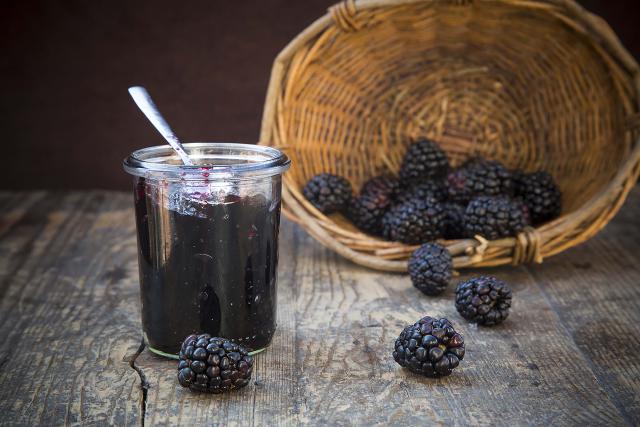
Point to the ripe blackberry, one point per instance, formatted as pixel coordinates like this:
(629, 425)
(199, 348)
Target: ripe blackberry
(382, 184)
(453, 225)
(540, 193)
(479, 178)
(414, 221)
(430, 347)
(430, 268)
(376, 196)
(424, 160)
(494, 217)
(213, 365)
(474, 160)
(329, 193)
(483, 300)
(367, 210)
(427, 189)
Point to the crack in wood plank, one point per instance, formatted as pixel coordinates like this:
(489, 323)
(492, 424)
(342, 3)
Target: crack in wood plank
(144, 384)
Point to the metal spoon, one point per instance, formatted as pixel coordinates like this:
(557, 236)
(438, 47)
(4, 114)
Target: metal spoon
(143, 100)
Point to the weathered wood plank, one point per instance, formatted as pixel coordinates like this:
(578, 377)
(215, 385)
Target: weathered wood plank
(68, 310)
(68, 287)
(523, 370)
(595, 289)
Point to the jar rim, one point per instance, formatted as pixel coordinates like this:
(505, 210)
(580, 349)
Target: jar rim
(235, 161)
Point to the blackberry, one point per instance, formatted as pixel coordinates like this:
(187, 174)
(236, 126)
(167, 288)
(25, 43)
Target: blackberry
(376, 195)
(329, 193)
(540, 193)
(414, 221)
(479, 178)
(494, 217)
(382, 184)
(367, 211)
(483, 300)
(427, 189)
(453, 225)
(474, 160)
(430, 268)
(424, 160)
(213, 365)
(430, 347)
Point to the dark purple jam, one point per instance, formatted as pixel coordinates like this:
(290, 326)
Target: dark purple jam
(206, 267)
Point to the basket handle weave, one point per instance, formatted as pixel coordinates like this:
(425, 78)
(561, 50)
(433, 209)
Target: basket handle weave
(344, 13)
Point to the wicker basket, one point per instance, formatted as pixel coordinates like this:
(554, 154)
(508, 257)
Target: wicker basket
(534, 84)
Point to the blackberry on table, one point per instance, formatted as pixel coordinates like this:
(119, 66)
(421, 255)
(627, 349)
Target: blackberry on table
(424, 160)
(479, 178)
(430, 268)
(414, 221)
(495, 217)
(213, 365)
(540, 193)
(484, 300)
(430, 347)
(329, 193)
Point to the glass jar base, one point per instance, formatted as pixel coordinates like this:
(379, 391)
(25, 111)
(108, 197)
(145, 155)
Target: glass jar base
(176, 357)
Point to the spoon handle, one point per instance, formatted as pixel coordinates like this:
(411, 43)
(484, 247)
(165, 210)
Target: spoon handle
(143, 100)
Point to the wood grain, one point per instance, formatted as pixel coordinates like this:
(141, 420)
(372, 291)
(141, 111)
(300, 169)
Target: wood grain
(68, 314)
(595, 289)
(69, 324)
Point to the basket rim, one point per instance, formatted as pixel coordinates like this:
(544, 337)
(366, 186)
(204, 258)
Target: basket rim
(527, 246)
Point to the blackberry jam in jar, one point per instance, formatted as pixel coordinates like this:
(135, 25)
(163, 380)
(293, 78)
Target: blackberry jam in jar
(207, 242)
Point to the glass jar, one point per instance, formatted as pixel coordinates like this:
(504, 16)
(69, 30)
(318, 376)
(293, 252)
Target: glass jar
(207, 242)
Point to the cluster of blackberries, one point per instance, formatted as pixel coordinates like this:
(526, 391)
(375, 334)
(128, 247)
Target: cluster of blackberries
(484, 300)
(432, 347)
(430, 200)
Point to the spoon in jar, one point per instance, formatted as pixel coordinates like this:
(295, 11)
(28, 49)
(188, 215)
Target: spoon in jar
(143, 100)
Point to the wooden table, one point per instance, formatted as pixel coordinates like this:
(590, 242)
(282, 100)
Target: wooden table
(71, 348)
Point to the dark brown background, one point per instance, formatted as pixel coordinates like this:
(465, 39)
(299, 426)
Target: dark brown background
(65, 115)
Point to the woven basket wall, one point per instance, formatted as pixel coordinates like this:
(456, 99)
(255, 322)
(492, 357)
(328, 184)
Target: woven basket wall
(534, 84)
